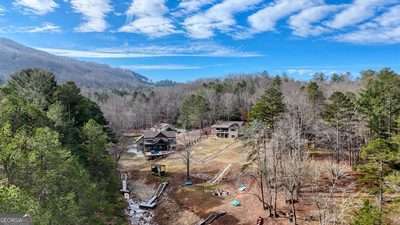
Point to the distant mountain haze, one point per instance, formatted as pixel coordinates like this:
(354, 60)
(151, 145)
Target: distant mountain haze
(15, 57)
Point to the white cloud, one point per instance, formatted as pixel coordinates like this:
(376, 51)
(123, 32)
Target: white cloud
(383, 29)
(305, 24)
(2, 10)
(192, 50)
(383, 35)
(151, 26)
(161, 67)
(299, 71)
(148, 17)
(219, 17)
(390, 18)
(90, 53)
(143, 8)
(266, 18)
(191, 6)
(44, 28)
(39, 7)
(309, 71)
(358, 12)
(94, 13)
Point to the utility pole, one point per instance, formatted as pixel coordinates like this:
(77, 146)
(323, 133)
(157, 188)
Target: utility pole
(260, 166)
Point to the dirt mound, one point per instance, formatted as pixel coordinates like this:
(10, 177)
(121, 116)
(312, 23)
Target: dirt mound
(226, 219)
(196, 199)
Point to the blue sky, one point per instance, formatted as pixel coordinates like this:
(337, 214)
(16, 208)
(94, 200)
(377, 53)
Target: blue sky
(185, 40)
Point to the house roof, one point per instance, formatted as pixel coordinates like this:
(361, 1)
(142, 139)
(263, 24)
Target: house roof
(131, 134)
(169, 134)
(137, 138)
(164, 127)
(153, 134)
(227, 124)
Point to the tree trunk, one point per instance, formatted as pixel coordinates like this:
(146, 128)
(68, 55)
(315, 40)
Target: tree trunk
(187, 167)
(7, 171)
(270, 207)
(337, 142)
(262, 191)
(274, 161)
(292, 215)
(390, 117)
(381, 186)
(260, 166)
(294, 212)
(275, 198)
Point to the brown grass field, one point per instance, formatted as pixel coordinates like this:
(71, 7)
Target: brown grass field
(183, 205)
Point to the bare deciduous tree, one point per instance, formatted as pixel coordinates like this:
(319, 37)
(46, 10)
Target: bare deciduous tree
(188, 139)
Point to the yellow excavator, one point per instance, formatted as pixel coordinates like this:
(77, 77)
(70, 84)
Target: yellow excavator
(158, 170)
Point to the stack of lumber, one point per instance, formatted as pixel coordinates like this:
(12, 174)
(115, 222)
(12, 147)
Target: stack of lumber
(211, 218)
(152, 202)
(220, 175)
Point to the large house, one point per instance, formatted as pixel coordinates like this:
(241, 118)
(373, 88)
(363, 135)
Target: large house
(164, 127)
(158, 143)
(227, 129)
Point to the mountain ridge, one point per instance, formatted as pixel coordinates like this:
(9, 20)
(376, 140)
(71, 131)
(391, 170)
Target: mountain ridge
(15, 57)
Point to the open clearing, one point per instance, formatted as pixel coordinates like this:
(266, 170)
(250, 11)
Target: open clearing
(182, 205)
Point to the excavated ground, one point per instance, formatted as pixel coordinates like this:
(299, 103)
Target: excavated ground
(181, 205)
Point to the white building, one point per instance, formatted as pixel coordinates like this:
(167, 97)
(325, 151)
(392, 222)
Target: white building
(227, 129)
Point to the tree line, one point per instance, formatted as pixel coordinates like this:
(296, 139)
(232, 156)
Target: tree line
(229, 98)
(53, 154)
(358, 128)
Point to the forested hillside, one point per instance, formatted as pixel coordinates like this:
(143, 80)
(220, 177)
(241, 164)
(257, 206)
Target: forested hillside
(219, 99)
(54, 163)
(15, 57)
(355, 128)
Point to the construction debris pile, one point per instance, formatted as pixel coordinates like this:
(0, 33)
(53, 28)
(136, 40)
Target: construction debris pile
(220, 193)
(152, 202)
(138, 212)
(211, 218)
(138, 216)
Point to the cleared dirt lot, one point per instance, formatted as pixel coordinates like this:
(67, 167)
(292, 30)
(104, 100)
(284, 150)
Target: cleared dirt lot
(183, 205)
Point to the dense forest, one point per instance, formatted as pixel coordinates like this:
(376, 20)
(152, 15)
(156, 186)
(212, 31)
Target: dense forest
(357, 128)
(230, 98)
(53, 144)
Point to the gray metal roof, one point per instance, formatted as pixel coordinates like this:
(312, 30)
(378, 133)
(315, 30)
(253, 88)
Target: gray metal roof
(227, 124)
(153, 134)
